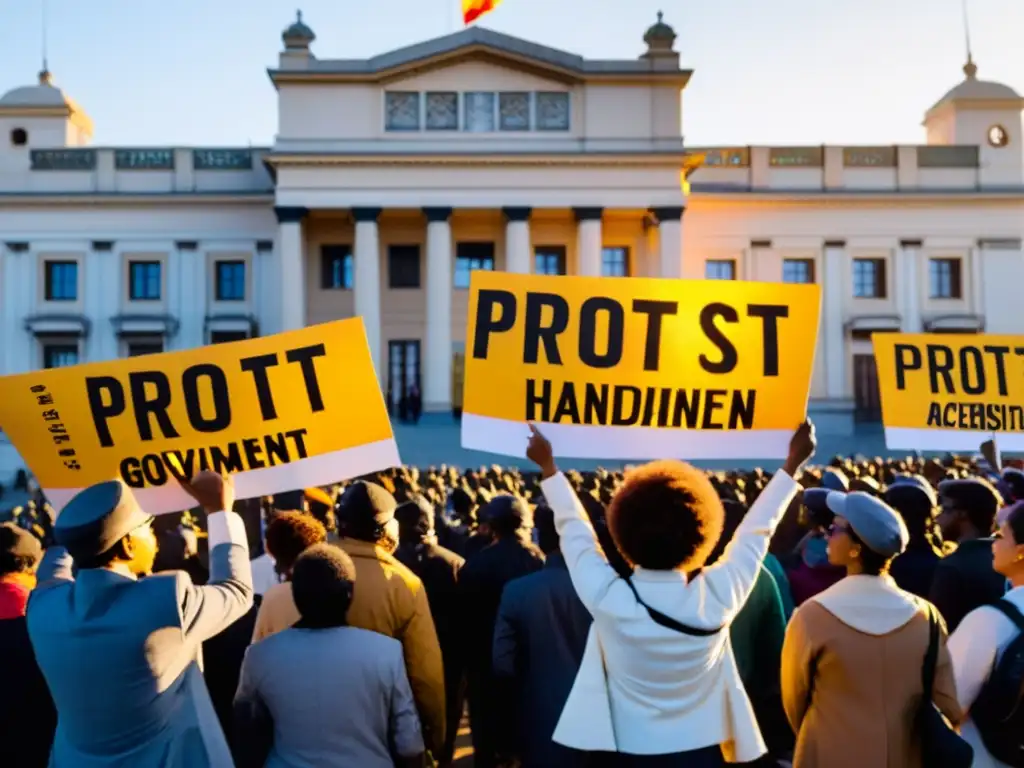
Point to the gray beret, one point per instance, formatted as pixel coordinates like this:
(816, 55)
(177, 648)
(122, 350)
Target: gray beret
(878, 525)
(97, 518)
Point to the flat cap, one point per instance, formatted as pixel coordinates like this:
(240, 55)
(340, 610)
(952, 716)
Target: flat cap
(363, 502)
(16, 541)
(917, 483)
(875, 523)
(97, 518)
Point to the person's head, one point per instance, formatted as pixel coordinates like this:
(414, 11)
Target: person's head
(835, 479)
(103, 526)
(547, 534)
(866, 533)
(666, 516)
(914, 498)
(20, 551)
(366, 512)
(1008, 545)
(321, 506)
(464, 505)
(815, 514)
(323, 583)
(415, 520)
(289, 535)
(969, 508)
(1014, 480)
(507, 516)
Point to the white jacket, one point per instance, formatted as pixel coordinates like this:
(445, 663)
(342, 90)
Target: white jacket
(643, 689)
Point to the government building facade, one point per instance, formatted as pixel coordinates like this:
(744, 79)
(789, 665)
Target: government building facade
(392, 178)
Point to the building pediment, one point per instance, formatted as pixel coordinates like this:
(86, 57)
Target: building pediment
(476, 44)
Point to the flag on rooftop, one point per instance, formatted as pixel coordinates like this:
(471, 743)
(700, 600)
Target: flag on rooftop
(474, 9)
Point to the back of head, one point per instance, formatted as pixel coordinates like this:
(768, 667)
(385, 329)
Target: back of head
(364, 512)
(415, 519)
(290, 534)
(323, 582)
(976, 498)
(507, 515)
(20, 551)
(547, 534)
(914, 503)
(666, 516)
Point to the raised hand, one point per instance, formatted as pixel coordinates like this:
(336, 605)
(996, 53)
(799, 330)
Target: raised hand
(801, 447)
(539, 452)
(213, 492)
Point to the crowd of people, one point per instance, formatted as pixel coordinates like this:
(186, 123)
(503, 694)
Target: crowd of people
(862, 613)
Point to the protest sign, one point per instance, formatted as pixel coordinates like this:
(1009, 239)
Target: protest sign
(949, 392)
(635, 368)
(282, 412)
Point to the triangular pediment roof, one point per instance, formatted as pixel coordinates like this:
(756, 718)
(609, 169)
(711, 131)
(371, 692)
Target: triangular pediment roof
(475, 41)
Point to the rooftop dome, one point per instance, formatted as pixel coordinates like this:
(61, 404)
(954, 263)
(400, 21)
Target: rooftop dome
(43, 95)
(298, 35)
(973, 89)
(661, 33)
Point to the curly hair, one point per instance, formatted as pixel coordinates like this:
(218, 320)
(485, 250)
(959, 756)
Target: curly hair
(290, 534)
(666, 516)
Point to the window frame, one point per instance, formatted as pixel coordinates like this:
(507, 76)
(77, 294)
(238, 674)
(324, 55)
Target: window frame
(145, 263)
(331, 253)
(568, 111)
(60, 347)
(49, 268)
(155, 347)
(881, 289)
(389, 128)
(395, 249)
(809, 263)
(558, 252)
(219, 283)
(530, 111)
(627, 260)
(464, 253)
(955, 278)
(233, 336)
(731, 263)
(424, 120)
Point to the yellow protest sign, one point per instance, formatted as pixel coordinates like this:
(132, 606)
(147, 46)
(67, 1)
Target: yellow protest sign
(951, 392)
(635, 368)
(281, 412)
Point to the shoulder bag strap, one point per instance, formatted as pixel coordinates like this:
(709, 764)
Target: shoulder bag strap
(668, 622)
(931, 656)
(1010, 611)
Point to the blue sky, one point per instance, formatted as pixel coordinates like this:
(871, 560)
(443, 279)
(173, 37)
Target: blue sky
(192, 72)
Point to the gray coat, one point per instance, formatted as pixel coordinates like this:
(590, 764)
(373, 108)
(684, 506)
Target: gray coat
(122, 657)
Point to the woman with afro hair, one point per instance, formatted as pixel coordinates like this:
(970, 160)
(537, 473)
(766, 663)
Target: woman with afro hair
(658, 683)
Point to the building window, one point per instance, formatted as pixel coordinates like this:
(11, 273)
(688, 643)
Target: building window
(61, 280)
(442, 112)
(144, 280)
(226, 337)
(944, 279)
(479, 112)
(470, 257)
(140, 348)
(553, 111)
(337, 270)
(230, 281)
(615, 262)
(720, 269)
(798, 271)
(549, 260)
(869, 278)
(401, 111)
(19, 137)
(403, 266)
(514, 111)
(60, 355)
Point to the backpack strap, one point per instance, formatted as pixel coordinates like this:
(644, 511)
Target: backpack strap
(931, 656)
(1010, 611)
(668, 622)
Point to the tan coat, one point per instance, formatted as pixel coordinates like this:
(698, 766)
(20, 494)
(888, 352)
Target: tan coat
(851, 676)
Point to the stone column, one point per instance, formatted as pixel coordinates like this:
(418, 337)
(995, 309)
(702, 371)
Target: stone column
(670, 237)
(832, 324)
(367, 280)
(291, 256)
(589, 241)
(194, 295)
(437, 355)
(908, 285)
(517, 241)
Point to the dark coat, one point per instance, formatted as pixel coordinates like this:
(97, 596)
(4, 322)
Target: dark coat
(27, 715)
(481, 582)
(539, 640)
(965, 580)
(222, 665)
(914, 570)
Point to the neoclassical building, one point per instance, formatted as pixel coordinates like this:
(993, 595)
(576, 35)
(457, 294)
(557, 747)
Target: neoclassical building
(392, 178)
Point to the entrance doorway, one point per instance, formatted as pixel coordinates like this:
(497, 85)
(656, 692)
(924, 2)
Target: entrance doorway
(865, 388)
(403, 371)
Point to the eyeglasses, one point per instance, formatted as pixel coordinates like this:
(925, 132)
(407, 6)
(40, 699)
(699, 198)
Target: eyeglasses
(836, 528)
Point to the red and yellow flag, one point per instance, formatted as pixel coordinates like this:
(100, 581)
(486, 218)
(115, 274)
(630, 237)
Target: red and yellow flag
(474, 9)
